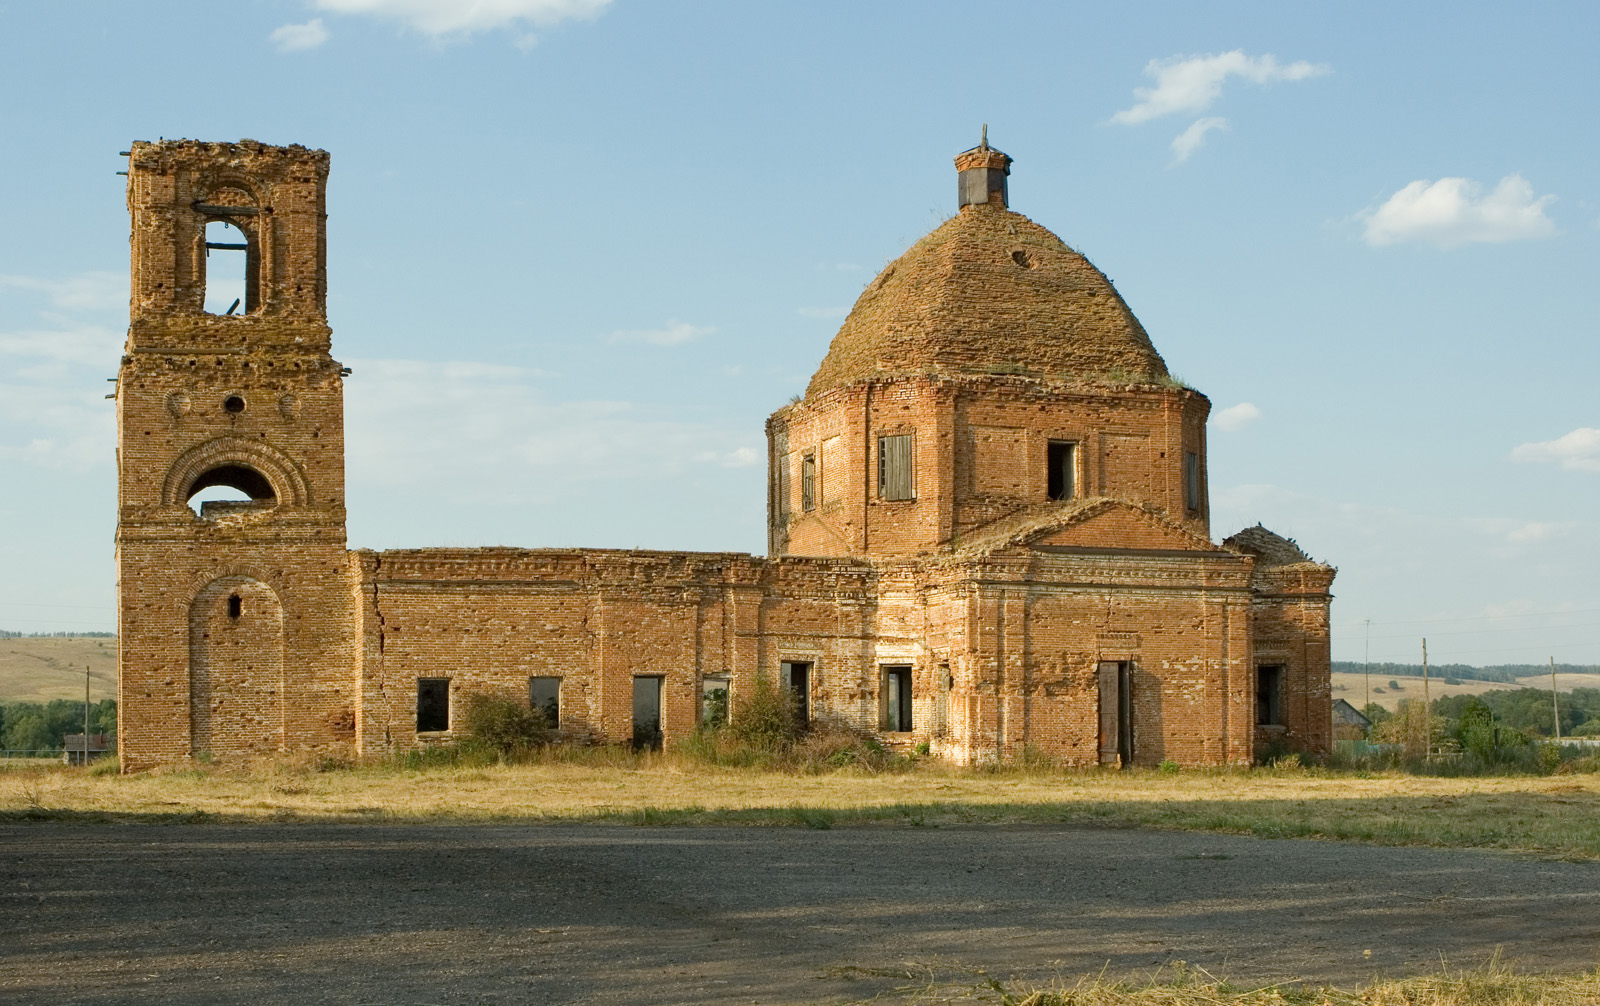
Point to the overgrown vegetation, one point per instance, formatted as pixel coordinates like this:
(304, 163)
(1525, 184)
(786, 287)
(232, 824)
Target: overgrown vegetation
(42, 726)
(766, 732)
(502, 728)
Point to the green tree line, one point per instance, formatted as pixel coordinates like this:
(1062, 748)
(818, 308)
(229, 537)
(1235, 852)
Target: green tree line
(41, 726)
(1508, 673)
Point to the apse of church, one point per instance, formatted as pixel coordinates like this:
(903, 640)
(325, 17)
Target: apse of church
(988, 520)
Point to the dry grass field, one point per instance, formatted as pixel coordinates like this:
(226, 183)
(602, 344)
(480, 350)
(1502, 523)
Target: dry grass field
(1352, 687)
(41, 669)
(1557, 815)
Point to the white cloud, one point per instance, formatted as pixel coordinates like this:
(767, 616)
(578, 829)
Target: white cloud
(485, 433)
(1518, 532)
(1188, 141)
(441, 18)
(1578, 451)
(298, 37)
(1191, 84)
(675, 333)
(1452, 211)
(53, 410)
(86, 291)
(1236, 417)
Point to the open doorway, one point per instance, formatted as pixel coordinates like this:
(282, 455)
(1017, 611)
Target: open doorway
(646, 713)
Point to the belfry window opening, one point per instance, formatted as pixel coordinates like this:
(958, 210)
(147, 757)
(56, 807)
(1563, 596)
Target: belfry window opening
(231, 486)
(227, 260)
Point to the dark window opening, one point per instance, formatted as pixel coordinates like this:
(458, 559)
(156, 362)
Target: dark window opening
(1115, 679)
(1063, 473)
(235, 606)
(796, 676)
(1021, 258)
(227, 263)
(714, 701)
(1191, 480)
(896, 468)
(433, 705)
(233, 404)
(544, 694)
(1269, 696)
(808, 482)
(897, 699)
(228, 487)
(647, 713)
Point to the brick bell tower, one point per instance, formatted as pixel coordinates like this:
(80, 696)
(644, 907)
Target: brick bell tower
(233, 615)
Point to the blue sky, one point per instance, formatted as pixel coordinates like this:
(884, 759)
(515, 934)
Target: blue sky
(580, 249)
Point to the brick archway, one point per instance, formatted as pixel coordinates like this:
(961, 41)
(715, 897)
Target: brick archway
(288, 484)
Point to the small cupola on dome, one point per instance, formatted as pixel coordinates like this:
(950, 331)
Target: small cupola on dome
(983, 172)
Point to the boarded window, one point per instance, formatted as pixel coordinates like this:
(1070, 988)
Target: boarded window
(715, 693)
(796, 675)
(895, 469)
(1269, 696)
(808, 482)
(1062, 479)
(1191, 480)
(896, 692)
(544, 694)
(433, 705)
(784, 506)
(647, 713)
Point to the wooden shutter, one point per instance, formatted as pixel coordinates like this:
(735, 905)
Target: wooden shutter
(1110, 679)
(895, 470)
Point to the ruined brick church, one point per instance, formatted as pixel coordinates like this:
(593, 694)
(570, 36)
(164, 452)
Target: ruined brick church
(988, 516)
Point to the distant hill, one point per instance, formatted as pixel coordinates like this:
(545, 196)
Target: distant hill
(1508, 673)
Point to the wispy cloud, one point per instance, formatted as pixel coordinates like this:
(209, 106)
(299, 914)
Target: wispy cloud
(1236, 417)
(486, 433)
(299, 37)
(674, 333)
(1191, 83)
(85, 291)
(1577, 451)
(823, 312)
(1190, 140)
(1518, 532)
(447, 18)
(1454, 211)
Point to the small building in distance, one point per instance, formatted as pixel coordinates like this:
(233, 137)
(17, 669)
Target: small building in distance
(988, 526)
(1349, 723)
(77, 753)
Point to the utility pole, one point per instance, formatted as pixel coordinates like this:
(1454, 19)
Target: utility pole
(85, 762)
(1555, 701)
(1427, 705)
(1366, 659)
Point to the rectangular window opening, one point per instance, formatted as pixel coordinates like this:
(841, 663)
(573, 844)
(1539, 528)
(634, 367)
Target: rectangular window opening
(544, 694)
(896, 470)
(715, 695)
(1191, 480)
(647, 713)
(796, 676)
(1062, 475)
(896, 691)
(1269, 696)
(433, 705)
(808, 482)
(784, 504)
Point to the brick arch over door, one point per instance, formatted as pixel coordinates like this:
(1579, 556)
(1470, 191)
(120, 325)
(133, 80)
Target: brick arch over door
(236, 669)
(288, 483)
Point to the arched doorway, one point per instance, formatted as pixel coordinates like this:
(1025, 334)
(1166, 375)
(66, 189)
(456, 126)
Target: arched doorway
(235, 669)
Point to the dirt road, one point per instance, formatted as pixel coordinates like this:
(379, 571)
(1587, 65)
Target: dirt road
(619, 915)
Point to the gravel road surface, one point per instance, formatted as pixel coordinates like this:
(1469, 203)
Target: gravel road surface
(620, 915)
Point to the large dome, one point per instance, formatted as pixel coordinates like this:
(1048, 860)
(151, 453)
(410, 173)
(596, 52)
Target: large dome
(990, 292)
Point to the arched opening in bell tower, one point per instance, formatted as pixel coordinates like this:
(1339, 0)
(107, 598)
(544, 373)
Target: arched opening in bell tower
(227, 262)
(227, 488)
